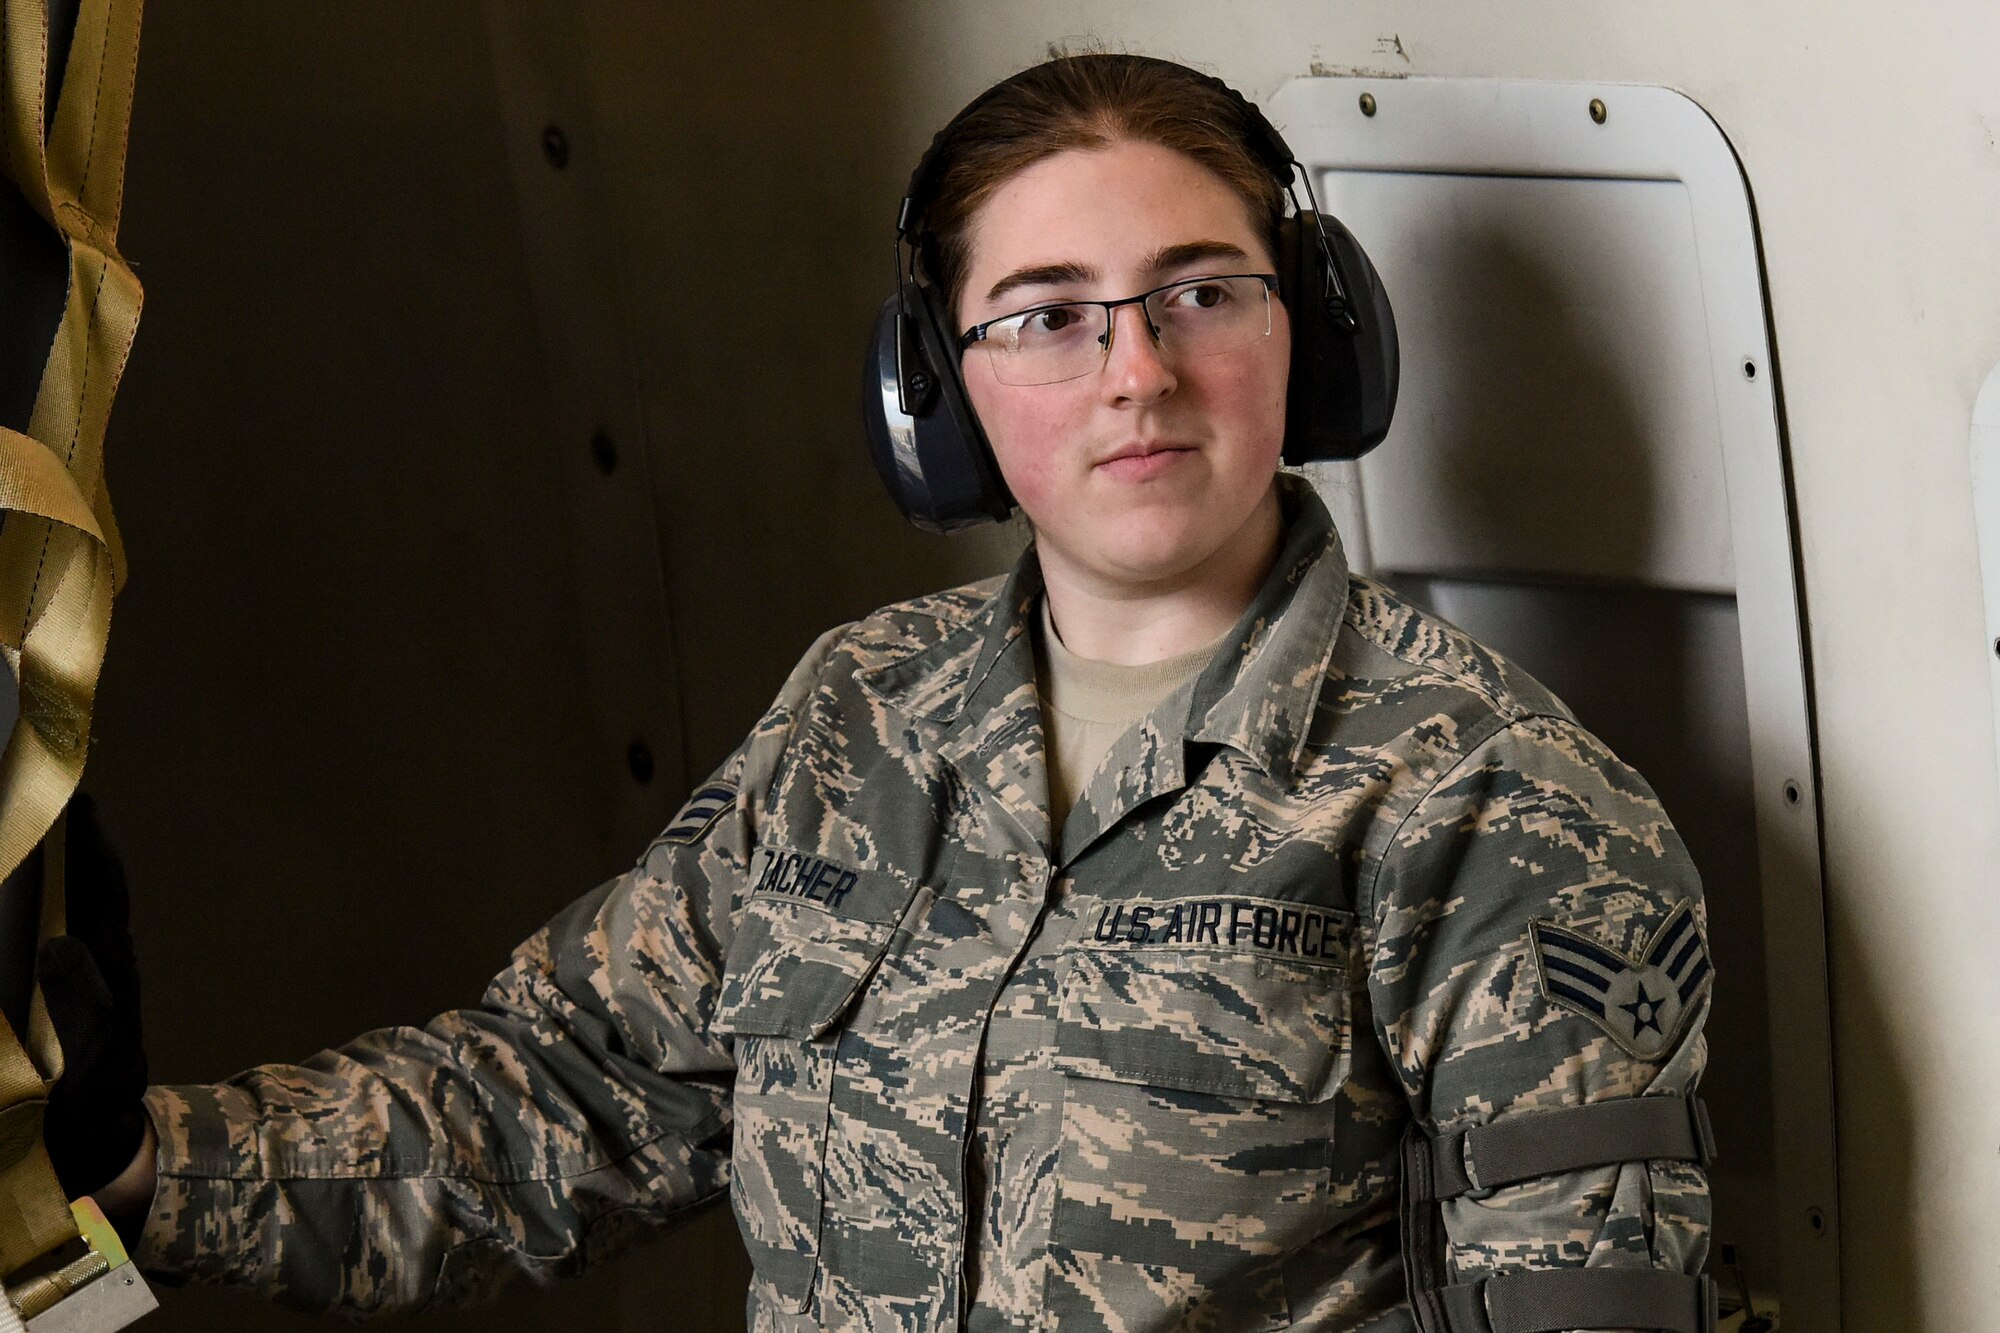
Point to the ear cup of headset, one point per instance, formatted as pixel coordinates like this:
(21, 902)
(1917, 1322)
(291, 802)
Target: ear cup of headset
(1344, 371)
(925, 438)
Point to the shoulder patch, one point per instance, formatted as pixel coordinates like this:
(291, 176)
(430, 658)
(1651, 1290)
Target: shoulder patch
(703, 809)
(1641, 1003)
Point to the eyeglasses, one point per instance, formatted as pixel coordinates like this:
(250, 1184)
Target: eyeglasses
(1192, 317)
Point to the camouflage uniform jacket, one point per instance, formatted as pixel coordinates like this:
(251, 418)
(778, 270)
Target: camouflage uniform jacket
(956, 1073)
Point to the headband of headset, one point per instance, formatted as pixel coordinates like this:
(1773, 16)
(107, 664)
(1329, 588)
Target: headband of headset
(926, 440)
(1260, 136)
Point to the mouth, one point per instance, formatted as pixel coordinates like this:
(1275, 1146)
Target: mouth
(1142, 461)
(1138, 450)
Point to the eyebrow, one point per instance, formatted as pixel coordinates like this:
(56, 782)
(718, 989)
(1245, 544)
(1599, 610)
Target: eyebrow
(1162, 259)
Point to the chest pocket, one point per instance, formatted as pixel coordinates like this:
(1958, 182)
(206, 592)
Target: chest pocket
(1199, 1119)
(793, 973)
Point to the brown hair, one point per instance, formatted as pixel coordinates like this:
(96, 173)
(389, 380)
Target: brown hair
(1083, 101)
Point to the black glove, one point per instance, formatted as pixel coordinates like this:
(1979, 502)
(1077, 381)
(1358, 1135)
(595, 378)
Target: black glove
(90, 982)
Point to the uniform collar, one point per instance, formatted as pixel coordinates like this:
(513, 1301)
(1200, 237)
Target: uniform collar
(1256, 696)
(1259, 692)
(939, 682)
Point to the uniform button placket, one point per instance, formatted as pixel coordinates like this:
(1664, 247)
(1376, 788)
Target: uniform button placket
(1036, 881)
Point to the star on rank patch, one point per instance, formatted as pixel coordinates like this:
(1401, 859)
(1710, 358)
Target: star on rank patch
(1640, 1001)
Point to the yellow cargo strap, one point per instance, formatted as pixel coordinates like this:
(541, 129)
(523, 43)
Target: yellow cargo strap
(34, 1214)
(60, 558)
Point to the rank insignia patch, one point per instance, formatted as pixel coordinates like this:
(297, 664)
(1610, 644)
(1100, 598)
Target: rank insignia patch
(1641, 1002)
(702, 809)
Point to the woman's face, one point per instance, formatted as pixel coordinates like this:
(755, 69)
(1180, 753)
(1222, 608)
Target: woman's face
(1153, 469)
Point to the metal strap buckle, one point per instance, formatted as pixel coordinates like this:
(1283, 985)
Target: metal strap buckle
(98, 1291)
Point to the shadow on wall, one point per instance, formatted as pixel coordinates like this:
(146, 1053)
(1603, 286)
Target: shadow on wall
(1546, 468)
(1872, 1053)
(1537, 449)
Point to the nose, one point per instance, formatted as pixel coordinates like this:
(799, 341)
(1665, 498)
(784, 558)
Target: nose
(1135, 371)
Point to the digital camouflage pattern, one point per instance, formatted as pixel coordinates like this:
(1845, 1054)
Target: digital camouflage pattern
(956, 1073)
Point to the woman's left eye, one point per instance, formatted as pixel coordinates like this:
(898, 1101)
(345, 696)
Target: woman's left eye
(1198, 296)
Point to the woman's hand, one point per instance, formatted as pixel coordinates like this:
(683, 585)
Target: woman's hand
(128, 1199)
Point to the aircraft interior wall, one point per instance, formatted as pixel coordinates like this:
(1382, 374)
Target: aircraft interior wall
(401, 473)
(340, 735)
(358, 736)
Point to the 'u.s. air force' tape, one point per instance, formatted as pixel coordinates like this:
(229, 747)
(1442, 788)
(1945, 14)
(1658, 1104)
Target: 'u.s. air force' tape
(703, 808)
(1640, 1002)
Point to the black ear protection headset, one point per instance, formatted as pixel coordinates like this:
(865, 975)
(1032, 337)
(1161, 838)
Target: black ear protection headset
(927, 441)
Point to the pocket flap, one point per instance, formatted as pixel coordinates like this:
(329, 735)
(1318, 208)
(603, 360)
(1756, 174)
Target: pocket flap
(801, 956)
(1234, 1025)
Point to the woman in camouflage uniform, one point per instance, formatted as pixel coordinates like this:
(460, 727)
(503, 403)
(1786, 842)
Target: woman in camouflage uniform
(1072, 949)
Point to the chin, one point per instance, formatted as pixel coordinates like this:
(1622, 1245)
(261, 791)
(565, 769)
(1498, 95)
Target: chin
(1154, 557)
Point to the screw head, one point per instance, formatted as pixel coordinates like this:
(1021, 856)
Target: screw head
(1368, 104)
(1598, 111)
(555, 146)
(604, 452)
(639, 759)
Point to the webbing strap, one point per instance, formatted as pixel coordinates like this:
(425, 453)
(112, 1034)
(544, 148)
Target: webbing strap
(55, 610)
(58, 549)
(34, 1217)
(59, 554)
(1569, 1138)
(1582, 1298)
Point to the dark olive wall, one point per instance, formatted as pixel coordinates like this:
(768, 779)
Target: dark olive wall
(337, 732)
(345, 733)
(757, 153)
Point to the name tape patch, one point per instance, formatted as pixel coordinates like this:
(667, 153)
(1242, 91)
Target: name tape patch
(1640, 1002)
(1247, 925)
(801, 875)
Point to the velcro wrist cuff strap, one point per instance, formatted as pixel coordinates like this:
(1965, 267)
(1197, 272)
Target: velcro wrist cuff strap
(1558, 1299)
(1572, 1138)
(1542, 1143)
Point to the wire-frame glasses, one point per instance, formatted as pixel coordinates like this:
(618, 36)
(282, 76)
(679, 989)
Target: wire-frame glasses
(1189, 317)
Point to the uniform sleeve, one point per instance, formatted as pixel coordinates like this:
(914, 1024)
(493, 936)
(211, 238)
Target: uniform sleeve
(582, 1105)
(1539, 944)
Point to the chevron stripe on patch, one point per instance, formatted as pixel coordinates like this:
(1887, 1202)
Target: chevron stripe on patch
(1642, 1002)
(703, 808)
(1678, 951)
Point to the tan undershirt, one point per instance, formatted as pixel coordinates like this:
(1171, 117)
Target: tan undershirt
(1087, 705)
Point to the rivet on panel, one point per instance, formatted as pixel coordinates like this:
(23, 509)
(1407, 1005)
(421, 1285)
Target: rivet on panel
(555, 146)
(604, 452)
(1368, 104)
(1598, 111)
(639, 758)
